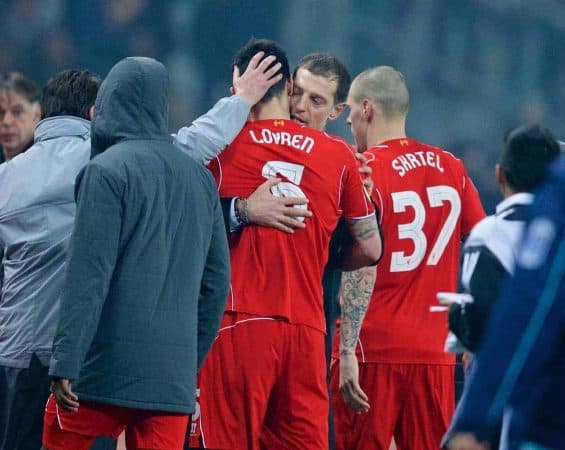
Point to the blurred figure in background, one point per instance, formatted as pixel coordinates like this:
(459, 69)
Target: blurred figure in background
(19, 114)
(521, 362)
(490, 252)
(37, 210)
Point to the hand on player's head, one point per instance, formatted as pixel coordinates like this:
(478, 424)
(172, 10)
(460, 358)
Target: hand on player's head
(257, 78)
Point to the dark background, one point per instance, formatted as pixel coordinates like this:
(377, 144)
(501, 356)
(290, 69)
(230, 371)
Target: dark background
(474, 67)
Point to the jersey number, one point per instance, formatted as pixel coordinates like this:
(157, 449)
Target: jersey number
(437, 196)
(293, 173)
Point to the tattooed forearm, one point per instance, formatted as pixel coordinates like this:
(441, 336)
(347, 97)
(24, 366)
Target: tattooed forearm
(363, 229)
(356, 291)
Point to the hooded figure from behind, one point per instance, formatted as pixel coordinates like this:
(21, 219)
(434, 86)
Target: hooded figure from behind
(148, 274)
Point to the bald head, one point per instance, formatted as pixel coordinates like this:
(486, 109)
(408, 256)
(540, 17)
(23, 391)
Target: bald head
(384, 86)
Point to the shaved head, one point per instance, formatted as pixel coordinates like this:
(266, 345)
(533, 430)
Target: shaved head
(383, 85)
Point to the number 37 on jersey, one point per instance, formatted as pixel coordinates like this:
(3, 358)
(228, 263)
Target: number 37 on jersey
(434, 197)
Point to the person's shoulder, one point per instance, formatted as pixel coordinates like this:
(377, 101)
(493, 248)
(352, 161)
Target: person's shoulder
(26, 166)
(339, 146)
(498, 235)
(439, 150)
(483, 231)
(338, 140)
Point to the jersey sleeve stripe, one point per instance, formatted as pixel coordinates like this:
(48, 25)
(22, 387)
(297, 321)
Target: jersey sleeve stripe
(340, 186)
(360, 217)
(381, 205)
(220, 174)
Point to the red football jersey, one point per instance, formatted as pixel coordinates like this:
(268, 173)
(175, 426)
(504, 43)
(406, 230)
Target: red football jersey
(277, 274)
(427, 203)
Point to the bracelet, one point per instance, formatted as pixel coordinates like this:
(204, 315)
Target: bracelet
(241, 213)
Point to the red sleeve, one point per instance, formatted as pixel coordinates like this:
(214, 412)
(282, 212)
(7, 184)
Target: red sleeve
(354, 202)
(471, 207)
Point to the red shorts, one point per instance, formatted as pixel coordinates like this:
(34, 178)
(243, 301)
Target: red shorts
(263, 385)
(64, 430)
(412, 402)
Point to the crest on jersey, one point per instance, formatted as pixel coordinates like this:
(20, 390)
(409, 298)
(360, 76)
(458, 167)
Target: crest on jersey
(278, 123)
(404, 142)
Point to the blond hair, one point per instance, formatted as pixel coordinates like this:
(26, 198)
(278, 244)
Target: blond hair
(383, 85)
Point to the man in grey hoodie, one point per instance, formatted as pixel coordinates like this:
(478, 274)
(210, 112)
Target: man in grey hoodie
(146, 283)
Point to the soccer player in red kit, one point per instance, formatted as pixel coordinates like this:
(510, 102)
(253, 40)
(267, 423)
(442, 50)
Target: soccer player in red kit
(427, 204)
(263, 382)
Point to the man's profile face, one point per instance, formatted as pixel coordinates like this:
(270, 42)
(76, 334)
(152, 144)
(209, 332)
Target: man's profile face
(18, 118)
(312, 99)
(357, 122)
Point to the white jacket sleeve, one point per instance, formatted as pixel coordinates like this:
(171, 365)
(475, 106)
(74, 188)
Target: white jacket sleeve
(212, 132)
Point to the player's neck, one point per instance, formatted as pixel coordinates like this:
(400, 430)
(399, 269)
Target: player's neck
(378, 134)
(506, 190)
(276, 108)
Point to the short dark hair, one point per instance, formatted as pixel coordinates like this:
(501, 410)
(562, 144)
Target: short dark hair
(70, 93)
(15, 81)
(269, 47)
(527, 154)
(329, 67)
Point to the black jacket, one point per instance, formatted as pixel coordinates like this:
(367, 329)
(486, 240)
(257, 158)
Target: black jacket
(149, 268)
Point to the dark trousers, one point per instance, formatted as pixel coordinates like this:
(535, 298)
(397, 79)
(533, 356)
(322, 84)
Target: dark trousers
(331, 283)
(23, 394)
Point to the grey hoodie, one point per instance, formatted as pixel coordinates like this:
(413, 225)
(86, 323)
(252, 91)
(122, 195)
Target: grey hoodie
(149, 267)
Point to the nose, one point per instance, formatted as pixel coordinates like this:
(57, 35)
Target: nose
(348, 119)
(8, 118)
(300, 104)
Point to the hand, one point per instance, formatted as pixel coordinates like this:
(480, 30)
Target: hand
(352, 393)
(365, 172)
(466, 441)
(451, 298)
(66, 399)
(265, 209)
(257, 78)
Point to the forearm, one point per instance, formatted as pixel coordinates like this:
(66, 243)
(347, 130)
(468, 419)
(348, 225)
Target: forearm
(357, 289)
(355, 258)
(212, 132)
(366, 247)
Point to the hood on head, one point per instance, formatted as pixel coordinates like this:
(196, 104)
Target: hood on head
(132, 103)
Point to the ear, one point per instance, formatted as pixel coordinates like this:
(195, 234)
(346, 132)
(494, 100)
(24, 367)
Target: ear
(368, 110)
(289, 87)
(338, 109)
(499, 174)
(232, 90)
(91, 112)
(37, 112)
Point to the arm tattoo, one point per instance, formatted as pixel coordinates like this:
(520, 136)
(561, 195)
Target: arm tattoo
(357, 288)
(363, 229)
